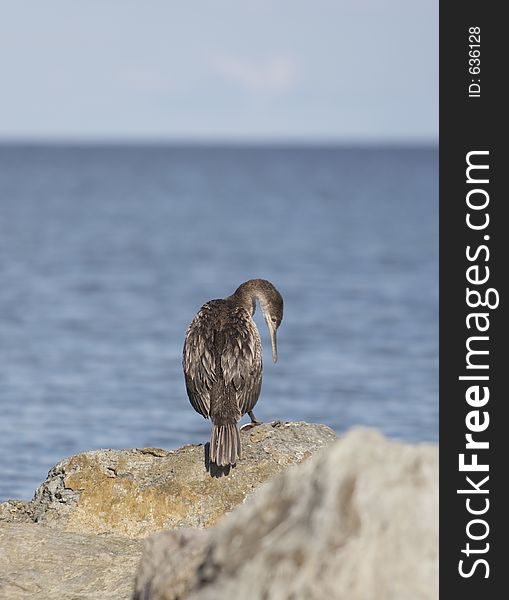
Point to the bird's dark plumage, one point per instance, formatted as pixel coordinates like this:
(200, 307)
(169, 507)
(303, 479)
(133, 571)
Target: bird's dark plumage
(222, 362)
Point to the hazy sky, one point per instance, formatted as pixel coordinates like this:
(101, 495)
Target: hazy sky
(339, 70)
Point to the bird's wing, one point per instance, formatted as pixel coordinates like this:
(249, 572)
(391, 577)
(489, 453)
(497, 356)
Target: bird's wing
(241, 359)
(198, 360)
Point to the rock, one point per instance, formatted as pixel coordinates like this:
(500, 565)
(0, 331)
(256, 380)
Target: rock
(16, 511)
(169, 568)
(358, 521)
(74, 550)
(37, 562)
(138, 492)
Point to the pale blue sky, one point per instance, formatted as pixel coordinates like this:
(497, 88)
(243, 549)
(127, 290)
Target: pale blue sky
(321, 70)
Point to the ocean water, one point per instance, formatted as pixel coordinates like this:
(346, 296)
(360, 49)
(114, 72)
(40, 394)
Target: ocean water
(106, 254)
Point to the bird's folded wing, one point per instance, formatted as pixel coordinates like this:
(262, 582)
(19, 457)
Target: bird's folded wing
(198, 361)
(241, 359)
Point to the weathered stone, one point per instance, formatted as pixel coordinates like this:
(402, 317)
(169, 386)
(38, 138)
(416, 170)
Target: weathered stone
(16, 511)
(358, 521)
(138, 492)
(37, 562)
(169, 568)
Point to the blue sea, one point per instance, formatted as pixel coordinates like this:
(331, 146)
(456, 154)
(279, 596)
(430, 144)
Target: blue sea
(106, 254)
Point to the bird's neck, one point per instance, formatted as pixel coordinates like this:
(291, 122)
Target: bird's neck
(246, 296)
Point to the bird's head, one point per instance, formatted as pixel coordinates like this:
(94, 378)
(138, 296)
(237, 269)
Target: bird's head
(271, 303)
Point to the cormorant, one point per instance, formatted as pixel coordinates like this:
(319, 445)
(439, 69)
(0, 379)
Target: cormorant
(222, 362)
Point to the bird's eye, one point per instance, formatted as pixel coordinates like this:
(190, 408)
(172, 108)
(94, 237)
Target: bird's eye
(274, 319)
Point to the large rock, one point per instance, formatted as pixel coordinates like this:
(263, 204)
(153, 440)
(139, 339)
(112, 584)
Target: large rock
(137, 492)
(37, 562)
(358, 521)
(169, 569)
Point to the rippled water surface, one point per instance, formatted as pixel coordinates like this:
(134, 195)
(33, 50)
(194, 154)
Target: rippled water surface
(107, 253)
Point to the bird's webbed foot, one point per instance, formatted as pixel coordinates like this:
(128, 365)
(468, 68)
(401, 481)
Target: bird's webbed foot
(254, 422)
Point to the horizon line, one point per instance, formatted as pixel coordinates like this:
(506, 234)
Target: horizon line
(219, 142)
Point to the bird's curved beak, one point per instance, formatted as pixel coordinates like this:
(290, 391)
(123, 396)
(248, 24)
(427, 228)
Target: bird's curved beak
(273, 339)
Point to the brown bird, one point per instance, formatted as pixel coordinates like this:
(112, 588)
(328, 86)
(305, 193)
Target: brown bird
(222, 362)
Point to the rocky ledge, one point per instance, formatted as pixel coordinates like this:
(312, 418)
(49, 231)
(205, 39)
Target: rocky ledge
(137, 492)
(357, 520)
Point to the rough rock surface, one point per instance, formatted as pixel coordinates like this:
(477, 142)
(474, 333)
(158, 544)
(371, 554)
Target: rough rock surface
(170, 564)
(16, 511)
(138, 492)
(37, 562)
(358, 521)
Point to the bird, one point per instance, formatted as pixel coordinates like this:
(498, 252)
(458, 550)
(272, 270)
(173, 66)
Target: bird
(222, 362)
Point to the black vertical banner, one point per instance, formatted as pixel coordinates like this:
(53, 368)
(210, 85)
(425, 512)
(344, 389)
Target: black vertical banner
(474, 252)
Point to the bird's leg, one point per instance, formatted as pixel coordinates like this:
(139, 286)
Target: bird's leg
(254, 420)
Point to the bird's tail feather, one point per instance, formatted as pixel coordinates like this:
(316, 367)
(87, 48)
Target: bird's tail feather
(225, 444)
